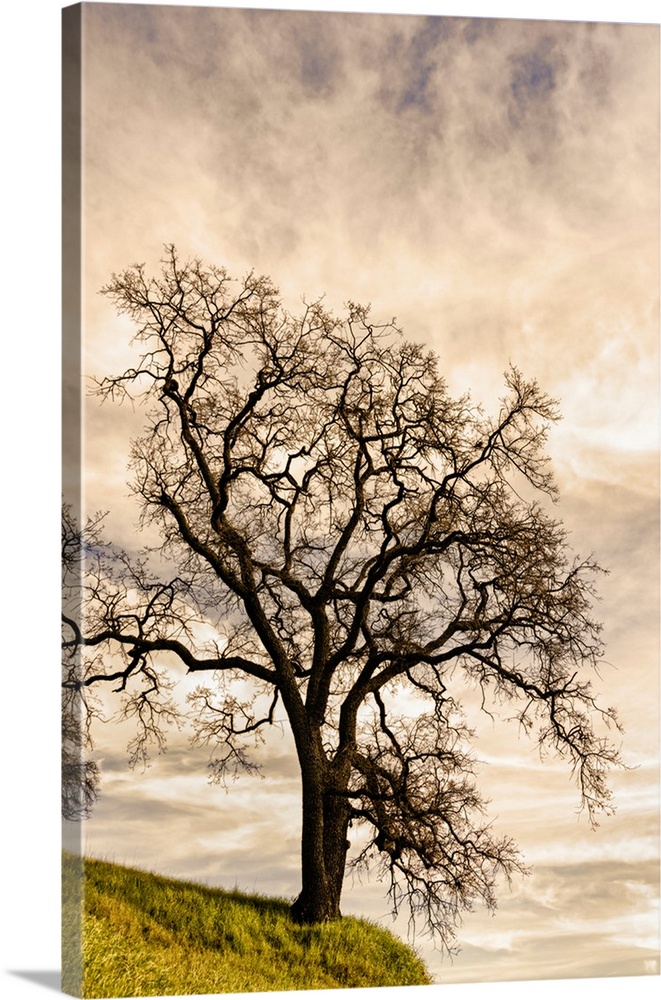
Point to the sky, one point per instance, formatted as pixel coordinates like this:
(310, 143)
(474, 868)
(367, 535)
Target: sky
(494, 185)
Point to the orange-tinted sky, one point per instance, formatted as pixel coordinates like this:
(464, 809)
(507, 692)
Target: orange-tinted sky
(494, 185)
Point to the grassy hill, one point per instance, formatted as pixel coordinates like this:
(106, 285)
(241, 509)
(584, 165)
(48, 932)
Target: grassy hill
(145, 935)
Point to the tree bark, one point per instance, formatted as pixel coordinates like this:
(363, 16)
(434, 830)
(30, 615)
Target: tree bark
(324, 848)
(336, 844)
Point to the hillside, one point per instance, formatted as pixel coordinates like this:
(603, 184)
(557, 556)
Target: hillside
(146, 935)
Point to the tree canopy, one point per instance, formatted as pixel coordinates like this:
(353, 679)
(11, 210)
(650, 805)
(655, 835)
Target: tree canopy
(365, 548)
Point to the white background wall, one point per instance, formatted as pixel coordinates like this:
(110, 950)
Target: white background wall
(29, 369)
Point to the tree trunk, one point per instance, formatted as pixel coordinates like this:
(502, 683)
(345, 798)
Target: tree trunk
(323, 850)
(336, 844)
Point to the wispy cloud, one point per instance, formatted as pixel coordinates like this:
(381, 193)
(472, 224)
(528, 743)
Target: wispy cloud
(493, 185)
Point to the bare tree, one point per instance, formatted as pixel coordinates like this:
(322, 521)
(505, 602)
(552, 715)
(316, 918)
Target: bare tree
(80, 774)
(366, 548)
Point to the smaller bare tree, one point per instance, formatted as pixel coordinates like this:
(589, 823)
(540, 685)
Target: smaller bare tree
(80, 773)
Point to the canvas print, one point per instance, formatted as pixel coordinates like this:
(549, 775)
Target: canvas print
(360, 500)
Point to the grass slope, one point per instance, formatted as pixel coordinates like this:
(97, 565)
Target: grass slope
(145, 935)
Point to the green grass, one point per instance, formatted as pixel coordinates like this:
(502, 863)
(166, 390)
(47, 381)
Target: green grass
(145, 935)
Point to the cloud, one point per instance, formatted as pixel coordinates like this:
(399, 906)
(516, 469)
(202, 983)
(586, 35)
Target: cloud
(494, 185)
(536, 928)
